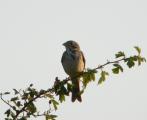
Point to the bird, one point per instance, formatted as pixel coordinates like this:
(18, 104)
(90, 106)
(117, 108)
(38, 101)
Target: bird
(73, 62)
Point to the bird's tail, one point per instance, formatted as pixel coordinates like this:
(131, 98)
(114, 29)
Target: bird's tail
(76, 90)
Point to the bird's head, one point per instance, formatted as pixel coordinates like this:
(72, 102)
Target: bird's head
(72, 45)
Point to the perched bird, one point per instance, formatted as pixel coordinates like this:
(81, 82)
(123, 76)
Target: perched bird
(73, 62)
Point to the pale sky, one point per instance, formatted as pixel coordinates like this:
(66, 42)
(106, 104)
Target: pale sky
(31, 37)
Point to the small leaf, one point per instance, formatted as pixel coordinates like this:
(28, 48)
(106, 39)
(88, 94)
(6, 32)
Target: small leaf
(23, 118)
(92, 76)
(117, 68)
(86, 79)
(131, 61)
(6, 93)
(140, 60)
(18, 104)
(103, 77)
(130, 64)
(61, 98)
(14, 108)
(91, 70)
(143, 59)
(8, 112)
(50, 117)
(31, 85)
(64, 90)
(53, 117)
(14, 98)
(55, 103)
(138, 49)
(12, 114)
(69, 87)
(88, 76)
(31, 107)
(134, 58)
(15, 91)
(25, 96)
(119, 54)
(42, 91)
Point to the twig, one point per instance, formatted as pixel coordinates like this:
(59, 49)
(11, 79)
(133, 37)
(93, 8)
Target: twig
(6, 101)
(109, 62)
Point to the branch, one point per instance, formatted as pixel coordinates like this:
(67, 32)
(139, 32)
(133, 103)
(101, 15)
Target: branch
(63, 87)
(5, 101)
(109, 62)
(33, 99)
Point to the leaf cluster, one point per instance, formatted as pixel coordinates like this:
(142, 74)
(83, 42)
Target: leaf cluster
(22, 105)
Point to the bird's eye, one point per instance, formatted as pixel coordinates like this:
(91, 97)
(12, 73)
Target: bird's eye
(71, 44)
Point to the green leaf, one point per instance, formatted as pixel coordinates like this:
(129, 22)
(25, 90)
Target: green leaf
(82, 91)
(23, 118)
(134, 58)
(15, 91)
(64, 90)
(6, 93)
(14, 98)
(8, 119)
(88, 76)
(41, 91)
(18, 104)
(69, 87)
(8, 112)
(61, 98)
(33, 93)
(119, 54)
(117, 68)
(91, 70)
(60, 89)
(55, 103)
(103, 77)
(86, 79)
(138, 49)
(92, 76)
(130, 62)
(31, 85)
(25, 96)
(31, 108)
(140, 60)
(143, 59)
(12, 114)
(50, 117)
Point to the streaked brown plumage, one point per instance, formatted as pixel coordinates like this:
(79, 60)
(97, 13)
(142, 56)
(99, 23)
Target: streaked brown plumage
(73, 62)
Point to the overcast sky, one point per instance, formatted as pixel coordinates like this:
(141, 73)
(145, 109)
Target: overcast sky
(31, 37)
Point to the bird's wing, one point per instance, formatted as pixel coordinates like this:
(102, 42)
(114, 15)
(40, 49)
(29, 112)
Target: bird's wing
(84, 60)
(63, 57)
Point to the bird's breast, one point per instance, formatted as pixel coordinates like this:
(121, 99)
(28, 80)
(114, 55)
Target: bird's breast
(73, 64)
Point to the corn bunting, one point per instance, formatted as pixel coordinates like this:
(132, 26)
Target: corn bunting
(73, 62)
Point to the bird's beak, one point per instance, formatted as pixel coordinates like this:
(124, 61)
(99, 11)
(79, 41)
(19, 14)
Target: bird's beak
(63, 44)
